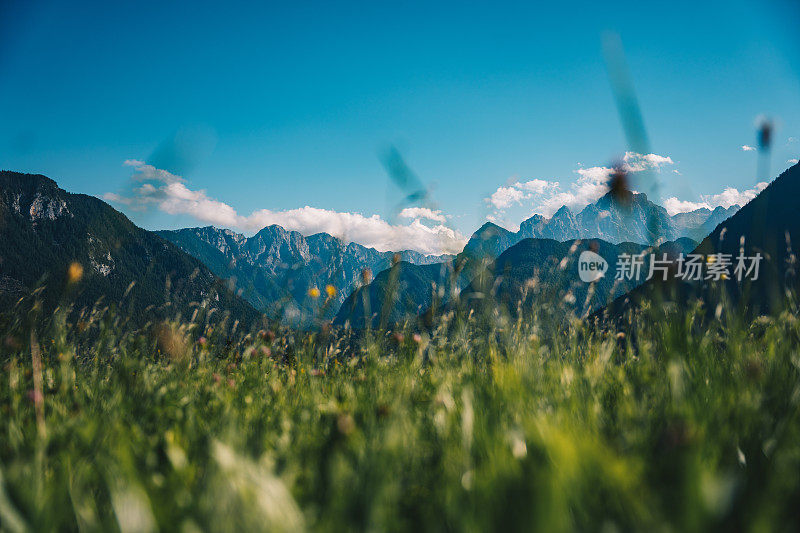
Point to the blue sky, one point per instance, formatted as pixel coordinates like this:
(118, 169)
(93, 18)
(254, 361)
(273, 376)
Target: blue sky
(280, 107)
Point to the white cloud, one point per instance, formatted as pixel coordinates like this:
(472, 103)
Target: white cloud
(675, 206)
(634, 162)
(423, 213)
(505, 196)
(516, 193)
(748, 148)
(145, 172)
(730, 196)
(116, 198)
(370, 231)
(167, 192)
(547, 196)
(536, 186)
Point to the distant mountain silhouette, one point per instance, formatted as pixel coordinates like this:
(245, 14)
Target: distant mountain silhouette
(769, 224)
(46, 229)
(639, 220)
(275, 269)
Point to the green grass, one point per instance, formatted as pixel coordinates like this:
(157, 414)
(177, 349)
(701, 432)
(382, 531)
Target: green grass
(689, 428)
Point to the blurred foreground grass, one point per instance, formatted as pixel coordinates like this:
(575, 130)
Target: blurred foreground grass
(692, 427)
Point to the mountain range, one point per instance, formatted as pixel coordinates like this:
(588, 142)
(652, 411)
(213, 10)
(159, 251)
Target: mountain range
(294, 277)
(278, 271)
(76, 249)
(635, 220)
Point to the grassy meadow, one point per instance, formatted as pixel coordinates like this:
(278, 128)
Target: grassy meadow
(682, 423)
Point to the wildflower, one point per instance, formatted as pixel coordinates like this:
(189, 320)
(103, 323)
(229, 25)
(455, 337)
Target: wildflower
(313, 292)
(316, 372)
(266, 352)
(330, 290)
(202, 342)
(217, 377)
(74, 272)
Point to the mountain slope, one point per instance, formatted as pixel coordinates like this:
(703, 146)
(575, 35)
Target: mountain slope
(768, 225)
(402, 291)
(533, 272)
(46, 229)
(276, 269)
(542, 276)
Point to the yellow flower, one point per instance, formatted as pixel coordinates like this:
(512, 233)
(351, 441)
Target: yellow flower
(74, 272)
(313, 292)
(330, 290)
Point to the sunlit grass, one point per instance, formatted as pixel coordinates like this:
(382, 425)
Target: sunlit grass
(462, 426)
